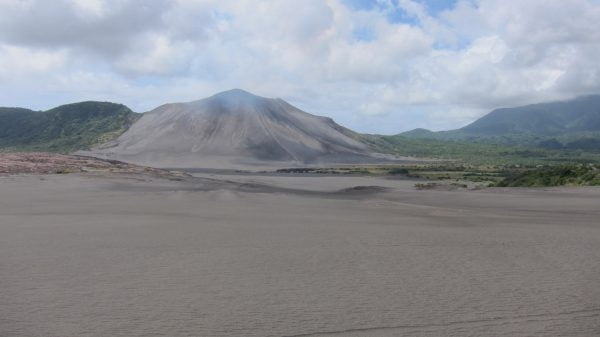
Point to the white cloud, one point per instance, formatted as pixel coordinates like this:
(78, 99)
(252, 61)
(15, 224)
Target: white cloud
(90, 8)
(19, 63)
(432, 70)
(155, 54)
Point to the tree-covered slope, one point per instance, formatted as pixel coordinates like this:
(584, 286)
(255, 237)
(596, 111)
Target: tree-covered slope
(65, 128)
(572, 124)
(546, 119)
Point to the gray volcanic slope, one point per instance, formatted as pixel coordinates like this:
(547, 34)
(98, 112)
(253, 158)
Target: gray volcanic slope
(231, 129)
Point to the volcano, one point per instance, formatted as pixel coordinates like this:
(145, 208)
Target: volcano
(232, 129)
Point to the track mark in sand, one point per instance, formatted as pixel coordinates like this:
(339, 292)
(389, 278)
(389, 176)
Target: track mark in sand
(494, 320)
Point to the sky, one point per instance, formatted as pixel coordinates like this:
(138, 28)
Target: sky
(377, 66)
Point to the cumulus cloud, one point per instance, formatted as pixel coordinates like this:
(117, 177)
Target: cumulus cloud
(376, 66)
(102, 27)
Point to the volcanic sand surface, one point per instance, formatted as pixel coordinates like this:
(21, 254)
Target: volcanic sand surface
(135, 255)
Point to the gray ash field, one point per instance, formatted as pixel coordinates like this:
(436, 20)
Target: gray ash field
(240, 255)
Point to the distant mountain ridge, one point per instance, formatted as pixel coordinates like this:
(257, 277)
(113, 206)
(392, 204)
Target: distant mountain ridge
(234, 128)
(566, 124)
(237, 127)
(66, 128)
(581, 114)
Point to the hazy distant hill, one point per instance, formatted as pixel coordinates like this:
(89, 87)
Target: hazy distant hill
(234, 128)
(65, 128)
(546, 119)
(571, 124)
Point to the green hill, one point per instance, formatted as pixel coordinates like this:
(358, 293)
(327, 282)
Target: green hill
(66, 128)
(546, 119)
(572, 124)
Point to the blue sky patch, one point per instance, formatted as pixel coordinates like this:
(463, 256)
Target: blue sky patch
(436, 6)
(433, 7)
(364, 33)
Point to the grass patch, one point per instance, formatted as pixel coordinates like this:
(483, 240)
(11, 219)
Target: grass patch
(563, 175)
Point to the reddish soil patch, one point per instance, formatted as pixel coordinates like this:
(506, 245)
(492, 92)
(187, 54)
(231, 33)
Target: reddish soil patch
(51, 163)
